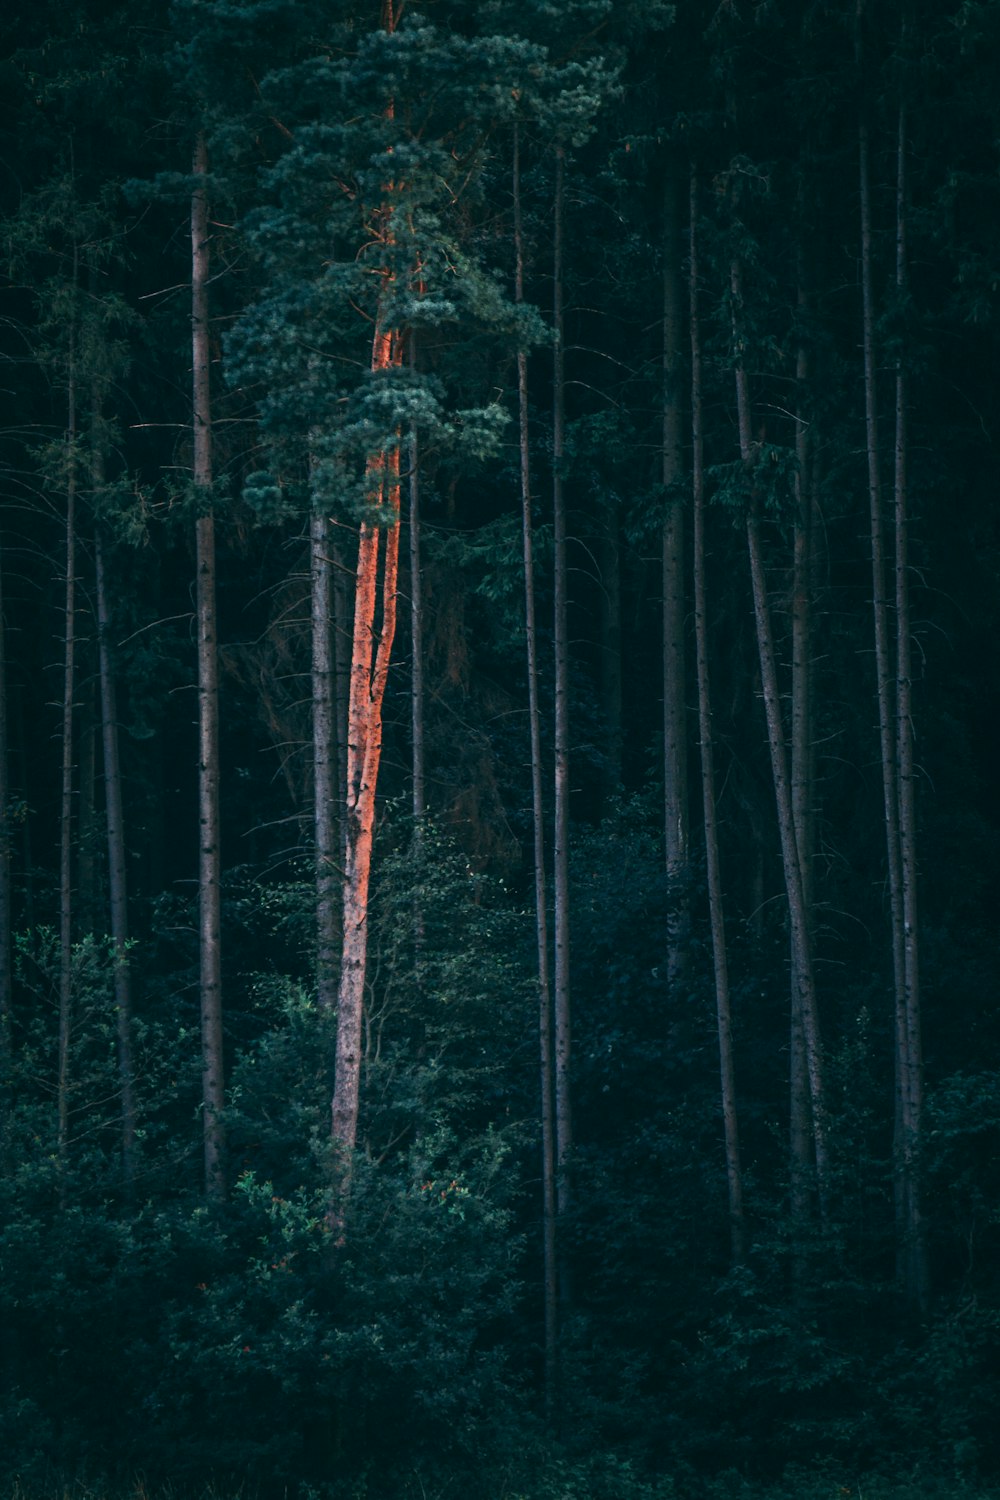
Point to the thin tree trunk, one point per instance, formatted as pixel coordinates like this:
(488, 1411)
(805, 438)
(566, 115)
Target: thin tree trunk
(674, 671)
(911, 1091)
(802, 760)
(802, 970)
(364, 744)
(117, 864)
(326, 833)
(364, 749)
(549, 1248)
(887, 705)
(85, 917)
(720, 959)
(562, 1008)
(209, 861)
(66, 800)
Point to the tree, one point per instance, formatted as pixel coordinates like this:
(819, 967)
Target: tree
(209, 850)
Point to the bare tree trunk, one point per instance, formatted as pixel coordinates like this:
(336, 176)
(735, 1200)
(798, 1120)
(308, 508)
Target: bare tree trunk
(209, 860)
(66, 800)
(549, 1256)
(364, 749)
(802, 970)
(326, 834)
(887, 705)
(674, 671)
(911, 1090)
(720, 959)
(562, 1006)
(117, 864)
(85, 918)
(802, 762)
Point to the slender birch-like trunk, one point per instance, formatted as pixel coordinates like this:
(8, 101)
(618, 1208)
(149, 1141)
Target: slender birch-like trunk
(561, 994)
(910, 1062)
(888, 715)
(802, 969)
(114, 818)
(675, 787)
(720, 958)
(549, 1246)
(209, 852)
(66, 798)
(802, 760)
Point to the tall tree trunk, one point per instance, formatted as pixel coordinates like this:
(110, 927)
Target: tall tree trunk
(117, 863)
(85, 917)
(364, 749)
(549, 1247)
(562, 1007)
(66, 800)
(326, 833)
(911, 1063)
(364, 738)
(887, 705)
(209, 852)
(720, 959)
(802, 763)
(802, 969)
(674, 672)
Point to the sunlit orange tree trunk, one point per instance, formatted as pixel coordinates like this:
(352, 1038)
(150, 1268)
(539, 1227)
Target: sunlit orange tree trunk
(375, 596)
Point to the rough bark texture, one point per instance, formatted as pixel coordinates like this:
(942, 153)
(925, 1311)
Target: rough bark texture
(713, 873)
(209, 853)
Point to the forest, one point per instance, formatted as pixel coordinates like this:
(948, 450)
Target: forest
(499, 706)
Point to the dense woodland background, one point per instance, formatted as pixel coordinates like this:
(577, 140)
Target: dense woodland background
(664, 342)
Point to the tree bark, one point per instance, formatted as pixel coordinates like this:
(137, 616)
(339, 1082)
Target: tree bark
(674, 670)
(720, 958)
(561, 998)
(802, 970)
(802, 764)
(910, 1060)
(209, 855)
(66, 799)
(117, 864)
(364, 749)
(549, 1246)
